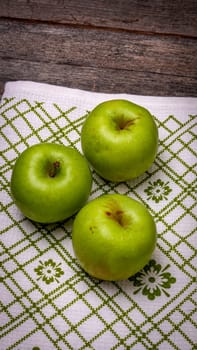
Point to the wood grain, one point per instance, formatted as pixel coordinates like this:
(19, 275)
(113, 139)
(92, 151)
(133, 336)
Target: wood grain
(97, 79)
(138, 47)
(163, 16)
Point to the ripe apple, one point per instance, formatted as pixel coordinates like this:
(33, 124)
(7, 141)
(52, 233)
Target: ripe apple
(113, 237)
(50, 182)
(119, 139)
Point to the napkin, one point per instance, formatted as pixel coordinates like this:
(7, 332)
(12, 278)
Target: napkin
(47, 301)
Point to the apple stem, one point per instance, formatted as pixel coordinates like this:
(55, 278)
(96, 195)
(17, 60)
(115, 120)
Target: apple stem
(124, 124)
(54, 169)
(117, 216)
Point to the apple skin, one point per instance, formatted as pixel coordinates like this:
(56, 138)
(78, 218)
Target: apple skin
(113, 237)
(50, 182)
(119, 139)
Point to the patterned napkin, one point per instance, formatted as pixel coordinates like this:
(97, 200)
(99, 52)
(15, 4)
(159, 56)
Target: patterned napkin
(47, 301)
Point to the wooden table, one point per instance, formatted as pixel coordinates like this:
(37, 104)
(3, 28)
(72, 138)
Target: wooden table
(138, 47)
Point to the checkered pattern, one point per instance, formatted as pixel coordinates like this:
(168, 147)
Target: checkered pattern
(47, 301)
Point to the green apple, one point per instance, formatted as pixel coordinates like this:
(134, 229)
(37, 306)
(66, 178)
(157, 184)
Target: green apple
(50, 182)
(113, 237)
(119, 139)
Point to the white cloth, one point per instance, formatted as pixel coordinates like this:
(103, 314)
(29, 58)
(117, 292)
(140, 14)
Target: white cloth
(47, 301)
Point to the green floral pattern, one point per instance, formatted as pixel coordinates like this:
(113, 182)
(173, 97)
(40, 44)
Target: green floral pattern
(158, 190)
(153, 280)
(49, 271)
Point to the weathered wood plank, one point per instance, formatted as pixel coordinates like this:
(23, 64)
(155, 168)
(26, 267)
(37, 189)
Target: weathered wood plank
(169, 17)
(96, 79)
(98, 48)
(142, 47)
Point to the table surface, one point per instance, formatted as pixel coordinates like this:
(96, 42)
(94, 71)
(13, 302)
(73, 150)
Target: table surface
(138, 47)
